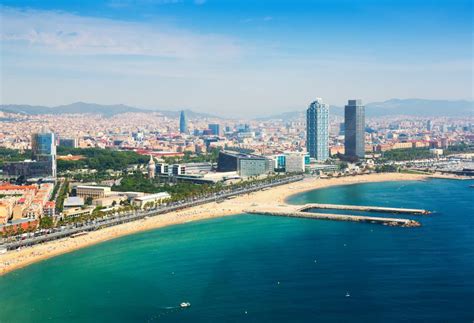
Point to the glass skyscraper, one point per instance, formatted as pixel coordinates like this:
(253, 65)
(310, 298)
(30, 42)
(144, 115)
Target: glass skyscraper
(43, 146)
(183, 123)
(317, 130)
(215, 129)
(354, 125)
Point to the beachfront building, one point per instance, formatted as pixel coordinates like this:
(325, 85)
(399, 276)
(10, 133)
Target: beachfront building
(109, 201)
(354, 125)
(291, 162)
(245, 165)
(77, 211)
(295, 162)
(317, 130)
(157, 198)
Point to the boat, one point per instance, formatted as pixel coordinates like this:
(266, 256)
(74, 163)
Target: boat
(347, 294)
(185, 304)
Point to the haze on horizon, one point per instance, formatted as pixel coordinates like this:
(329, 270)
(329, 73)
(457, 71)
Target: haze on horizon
(234, 57)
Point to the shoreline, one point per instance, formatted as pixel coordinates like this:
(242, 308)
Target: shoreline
(16, 259)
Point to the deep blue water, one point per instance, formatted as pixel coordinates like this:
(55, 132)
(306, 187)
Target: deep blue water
(229, 268)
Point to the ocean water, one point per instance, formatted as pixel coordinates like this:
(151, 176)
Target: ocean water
(250, 268)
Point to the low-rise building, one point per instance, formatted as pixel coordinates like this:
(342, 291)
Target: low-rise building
(141, 201)
(109, 200)
(73, 202)
(245, 165)
(94, 192)
(295, 162)
(436, 151)
(77, 211)
(49, 208)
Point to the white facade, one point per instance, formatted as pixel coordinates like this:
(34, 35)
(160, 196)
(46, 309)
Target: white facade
(153, 198)
(294, 162)
(86, 191)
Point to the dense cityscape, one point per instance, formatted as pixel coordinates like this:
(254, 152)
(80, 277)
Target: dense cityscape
(236, 161)
(74, 173)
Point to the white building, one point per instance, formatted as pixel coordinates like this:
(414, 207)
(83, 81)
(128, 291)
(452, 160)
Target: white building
(95, 192)
(437, 152)
(294, 162)
(153, 198)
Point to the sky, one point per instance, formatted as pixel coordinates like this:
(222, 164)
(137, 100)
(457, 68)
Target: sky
(234, 57)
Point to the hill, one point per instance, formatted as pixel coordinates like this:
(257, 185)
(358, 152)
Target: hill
(392, 107)
(92, 108)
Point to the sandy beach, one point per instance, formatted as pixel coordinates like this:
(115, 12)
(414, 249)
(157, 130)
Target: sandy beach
(13, 260)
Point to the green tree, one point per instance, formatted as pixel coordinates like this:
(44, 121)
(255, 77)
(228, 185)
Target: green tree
(46, 222)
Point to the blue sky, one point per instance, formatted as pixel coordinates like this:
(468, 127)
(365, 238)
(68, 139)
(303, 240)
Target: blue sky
(232, 57)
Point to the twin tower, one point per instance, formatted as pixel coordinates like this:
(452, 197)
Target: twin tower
(317, 129)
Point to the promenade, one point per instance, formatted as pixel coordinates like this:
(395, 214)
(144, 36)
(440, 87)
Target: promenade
(110, 221)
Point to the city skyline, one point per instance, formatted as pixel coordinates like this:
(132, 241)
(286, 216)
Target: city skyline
(150, 53)
(243, 160)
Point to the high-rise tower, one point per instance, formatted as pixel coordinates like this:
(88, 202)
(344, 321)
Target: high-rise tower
(215, 129)
(43, 146)
(354, 125)
(429, 125)
(317, 130)
(183, 123)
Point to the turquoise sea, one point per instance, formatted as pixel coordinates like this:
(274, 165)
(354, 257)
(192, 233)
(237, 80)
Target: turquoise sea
(250, 268)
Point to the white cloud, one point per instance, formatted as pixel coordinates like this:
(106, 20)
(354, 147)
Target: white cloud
(66, 33)
(53, 57)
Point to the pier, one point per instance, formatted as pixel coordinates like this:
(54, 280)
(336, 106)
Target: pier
(298, 211)
(379, 209)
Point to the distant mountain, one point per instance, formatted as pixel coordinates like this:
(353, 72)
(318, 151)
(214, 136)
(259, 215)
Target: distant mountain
(78, 107)
(293, 115)
(92, 108)
(392, 107)
(421, 108)
(412, 107)
(189, 113)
